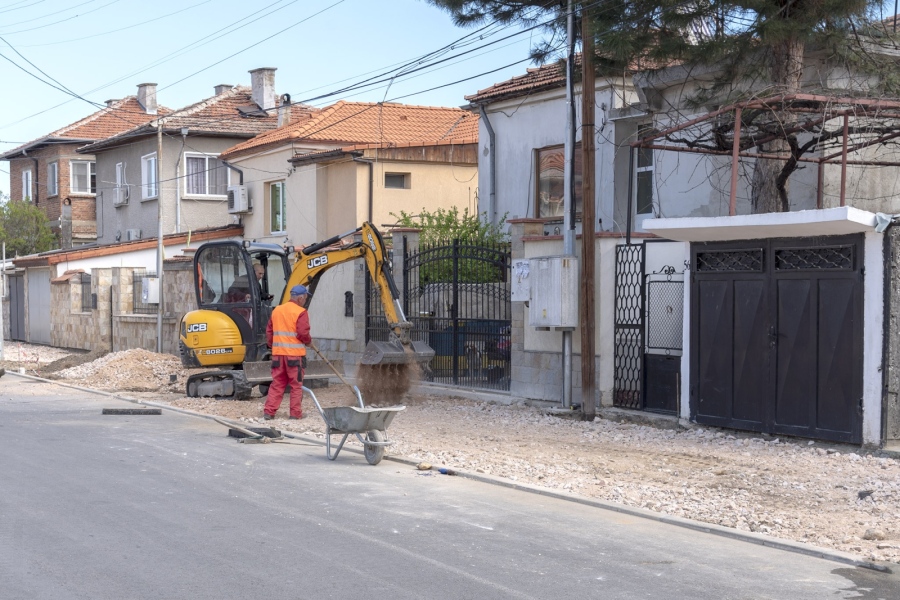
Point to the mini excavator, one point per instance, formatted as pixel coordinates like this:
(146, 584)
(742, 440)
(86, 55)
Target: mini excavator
(235, 284)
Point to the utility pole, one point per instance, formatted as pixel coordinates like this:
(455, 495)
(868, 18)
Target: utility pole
(160, 248)
(587, 218)
(569, 195)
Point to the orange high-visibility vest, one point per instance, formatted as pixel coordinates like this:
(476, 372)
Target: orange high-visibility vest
(284, 330)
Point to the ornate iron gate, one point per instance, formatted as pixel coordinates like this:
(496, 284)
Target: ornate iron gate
(458, 297)
(628, 327)
(649, 310)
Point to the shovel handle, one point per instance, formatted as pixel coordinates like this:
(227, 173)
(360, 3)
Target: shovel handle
(330, 366)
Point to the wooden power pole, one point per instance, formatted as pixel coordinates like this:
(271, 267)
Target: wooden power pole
(588, 372)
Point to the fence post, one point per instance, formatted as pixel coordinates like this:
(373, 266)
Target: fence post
(406, 242)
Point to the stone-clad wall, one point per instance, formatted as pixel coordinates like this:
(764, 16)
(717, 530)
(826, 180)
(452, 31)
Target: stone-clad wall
(70, 326)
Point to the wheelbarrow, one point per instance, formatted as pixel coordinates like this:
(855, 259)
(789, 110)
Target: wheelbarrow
(359, 421)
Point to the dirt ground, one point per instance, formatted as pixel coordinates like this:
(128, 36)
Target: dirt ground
(832, 496)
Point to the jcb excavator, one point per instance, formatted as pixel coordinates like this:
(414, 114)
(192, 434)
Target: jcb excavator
(236, 284)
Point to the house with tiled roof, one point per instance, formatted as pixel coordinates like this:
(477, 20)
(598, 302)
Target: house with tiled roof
(354, 162)
(48, 172)
(193, 182)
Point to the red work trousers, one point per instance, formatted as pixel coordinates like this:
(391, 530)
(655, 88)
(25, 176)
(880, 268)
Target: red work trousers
(286, 370)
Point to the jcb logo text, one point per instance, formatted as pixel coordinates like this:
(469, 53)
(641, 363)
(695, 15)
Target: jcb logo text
(195, 327)
(316, 262)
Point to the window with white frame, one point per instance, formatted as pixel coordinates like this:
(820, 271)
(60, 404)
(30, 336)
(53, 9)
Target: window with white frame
(205, 176)
(121, 185)
(83, 177)
(148, 176)
(26, 185)
(52, 179)
(277, 205)
(644, 174)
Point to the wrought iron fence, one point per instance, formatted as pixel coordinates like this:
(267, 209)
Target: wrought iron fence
(87, 303)
(141, 294)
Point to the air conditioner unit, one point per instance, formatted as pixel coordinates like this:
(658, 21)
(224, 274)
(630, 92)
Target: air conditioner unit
(238, 199)
(120, 196)
(132, 235)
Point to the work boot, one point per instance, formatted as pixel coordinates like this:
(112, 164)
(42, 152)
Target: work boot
(295, 418)
(268, 417)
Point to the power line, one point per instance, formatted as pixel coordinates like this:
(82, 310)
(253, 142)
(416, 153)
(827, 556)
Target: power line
(110, 32)
(62, 20)
(48, 15)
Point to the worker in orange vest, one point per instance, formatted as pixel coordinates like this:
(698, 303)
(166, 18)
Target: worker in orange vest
(287, 334)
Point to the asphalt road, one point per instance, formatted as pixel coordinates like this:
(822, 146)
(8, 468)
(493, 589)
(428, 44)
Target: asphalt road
(125, 507)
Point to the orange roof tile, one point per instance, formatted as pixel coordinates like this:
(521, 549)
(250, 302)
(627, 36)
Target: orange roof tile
(355, 123)
(538, 79)
(231, 113)
(119, 116)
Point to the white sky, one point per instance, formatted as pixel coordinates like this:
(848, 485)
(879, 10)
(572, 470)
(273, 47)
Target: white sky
(76, 43)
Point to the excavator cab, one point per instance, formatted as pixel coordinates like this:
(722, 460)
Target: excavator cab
(236, 285)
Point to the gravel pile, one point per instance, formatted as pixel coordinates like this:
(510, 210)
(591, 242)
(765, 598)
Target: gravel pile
(833, 496)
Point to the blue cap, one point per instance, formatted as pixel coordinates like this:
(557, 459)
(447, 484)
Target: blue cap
(299, 290)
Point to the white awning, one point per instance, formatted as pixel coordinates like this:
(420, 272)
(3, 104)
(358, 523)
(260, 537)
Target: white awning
(805, 223)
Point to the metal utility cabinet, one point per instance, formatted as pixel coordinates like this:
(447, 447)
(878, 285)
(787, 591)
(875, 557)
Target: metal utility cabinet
(553, 292)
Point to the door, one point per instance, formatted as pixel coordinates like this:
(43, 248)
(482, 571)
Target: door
(17, 308)
(39, 305)
(777, 326)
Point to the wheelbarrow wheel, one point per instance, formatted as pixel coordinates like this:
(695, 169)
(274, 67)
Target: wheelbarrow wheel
(374, 454)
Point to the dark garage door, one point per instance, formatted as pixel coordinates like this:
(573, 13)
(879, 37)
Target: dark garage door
(777, 326)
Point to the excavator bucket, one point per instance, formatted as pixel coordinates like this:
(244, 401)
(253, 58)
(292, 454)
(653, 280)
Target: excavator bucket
(395, 353)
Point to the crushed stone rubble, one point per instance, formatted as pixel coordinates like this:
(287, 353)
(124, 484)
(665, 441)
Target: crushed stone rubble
(829, 495)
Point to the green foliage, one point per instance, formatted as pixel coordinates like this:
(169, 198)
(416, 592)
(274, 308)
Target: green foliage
(24, 229)
(476, 237)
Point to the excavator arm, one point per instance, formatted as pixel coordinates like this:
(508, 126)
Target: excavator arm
(312, 261)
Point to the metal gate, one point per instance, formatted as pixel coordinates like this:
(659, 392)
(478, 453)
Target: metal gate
(778, 329)
(648, 327)
(39, 306)
(17, 308)
(457, 295)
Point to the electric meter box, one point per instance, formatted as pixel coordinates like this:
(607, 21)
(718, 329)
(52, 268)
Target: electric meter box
(150, 290)
(554, 292)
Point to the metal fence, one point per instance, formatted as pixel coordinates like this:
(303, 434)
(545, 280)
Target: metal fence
(87, 301)
(139, 300)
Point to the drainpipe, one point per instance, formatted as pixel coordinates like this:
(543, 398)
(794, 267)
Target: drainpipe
(369, 162)
(234, 168)
(178, 183)
(492, 198)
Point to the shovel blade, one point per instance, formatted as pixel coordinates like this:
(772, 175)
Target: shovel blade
(394, 353)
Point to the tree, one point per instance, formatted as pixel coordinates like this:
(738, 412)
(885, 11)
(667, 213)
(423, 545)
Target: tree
(753, 48)
(24, 229)
(440, 228)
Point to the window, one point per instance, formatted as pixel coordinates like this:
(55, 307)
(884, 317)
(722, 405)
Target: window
(26, 186)
(121, 186)
(53, 179)
(206, 176)
(277, 207)
(550, 193)
(148, 176)
(400, 181)
(83, 176)
(644, 174)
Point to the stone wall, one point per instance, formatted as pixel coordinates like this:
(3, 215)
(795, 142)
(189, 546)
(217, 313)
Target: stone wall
(70, 326)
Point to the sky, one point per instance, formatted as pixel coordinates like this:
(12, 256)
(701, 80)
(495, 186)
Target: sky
(101, 49)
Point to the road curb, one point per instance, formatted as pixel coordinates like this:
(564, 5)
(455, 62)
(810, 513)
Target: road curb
(745, 536)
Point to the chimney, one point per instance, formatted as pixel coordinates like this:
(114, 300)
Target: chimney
(284, 111)
(146, 96)
(109, 103)
(262, 81)
(222, 88)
